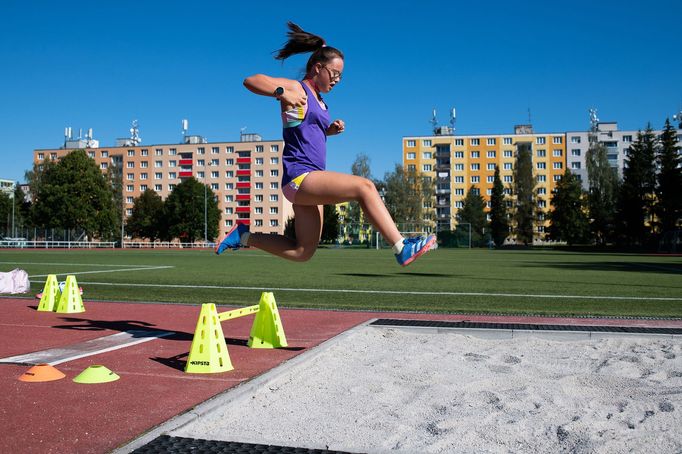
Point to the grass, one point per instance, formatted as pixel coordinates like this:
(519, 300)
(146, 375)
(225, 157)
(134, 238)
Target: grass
(462, 280)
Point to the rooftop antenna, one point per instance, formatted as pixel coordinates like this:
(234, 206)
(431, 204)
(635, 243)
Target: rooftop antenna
(678, 118)
(134, 134)
(185, 127)
(67, 134)
(433, 121)
(453, 118)
(594, 120)
(88, 138)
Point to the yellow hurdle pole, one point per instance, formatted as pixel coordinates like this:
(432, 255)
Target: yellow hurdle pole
(238, 313)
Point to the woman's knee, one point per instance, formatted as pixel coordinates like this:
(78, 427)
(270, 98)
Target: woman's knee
(366, 188)
(304, 252)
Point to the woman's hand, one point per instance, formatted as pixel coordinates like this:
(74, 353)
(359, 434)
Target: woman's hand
(337, 127)
(294, 98)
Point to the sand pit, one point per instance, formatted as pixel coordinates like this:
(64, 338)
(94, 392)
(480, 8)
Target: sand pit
(384, 389)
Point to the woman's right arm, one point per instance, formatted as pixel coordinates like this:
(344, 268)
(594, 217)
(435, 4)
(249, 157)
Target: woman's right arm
(293, 96)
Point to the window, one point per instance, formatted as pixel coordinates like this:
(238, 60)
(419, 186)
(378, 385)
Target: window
(144, 176)
(575, 165)
(230, 174)
(41, 156)
(542, 191)
(507, 141)
(475, 154)
(172, 163)
(130, 165)
(172, 175)
(131, 152)
(490, 179)
(459, 167)
(274, 148)
(259, 148)
(229, 162)
(411, 143)
(411, 155)
(542, 203)
(103, 166)
(274, 198)
(508, 166)
(229, 198)
(274, 185)
(144, 152)
(215, 162)
(259, 173)
(214, 174)
(274, 223)
(575, 152)
(557, 140)
(158, 164)
(459, 142)
(273, 210)
(215, 150)
(274, 173)
(258, 210)
(105, 154)
(492, 141)
(174, 151)
(229, 150)
(158, 152)
(229, 186)
(91, 154)
(508, 153)
(459, 204)
(542, 178)
(557, 178)
(575, 139)
(144, 164)
(558, 165)
(427, 167)
(258, 198)
(475, 141)
(201, 174)
(492, 154)
(426, 142)
(491, 167)
(143, 187)
(200, 150)
(411, 167)
(259, 161)
(475, 167)
(259, 185)
(540, 140)
(459, 179)
(459, 154)
(229, 210)
(459, 191)
(129, 211)
(129, 188)
(130, 176)
(557, 153)
(507, 178)
(427, 155)
(274, 161)
(542, 153)
(475, 179)
(541, 165)
(157, 187)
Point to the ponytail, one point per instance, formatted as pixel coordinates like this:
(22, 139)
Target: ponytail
(300, 42)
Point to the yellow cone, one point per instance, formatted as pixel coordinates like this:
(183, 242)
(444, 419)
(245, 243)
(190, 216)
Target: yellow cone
(70, 302)
(267, 330)
(208, 353)
(50, 294)
(96, 374)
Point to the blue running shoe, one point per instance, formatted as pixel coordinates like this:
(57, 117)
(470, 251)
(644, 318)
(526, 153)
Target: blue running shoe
(232, 239)
(415, 247)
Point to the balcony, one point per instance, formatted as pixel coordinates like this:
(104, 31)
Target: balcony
(185, 174)
(245, 185)
(243, 221)
(243, 160)
(185, 162)
(243, 197)
(243, 173)
(242, 209)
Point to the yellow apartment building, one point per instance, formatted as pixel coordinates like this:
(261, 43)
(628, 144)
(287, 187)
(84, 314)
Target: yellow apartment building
(456, 163)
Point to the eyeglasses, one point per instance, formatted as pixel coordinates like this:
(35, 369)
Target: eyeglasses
(333, 75)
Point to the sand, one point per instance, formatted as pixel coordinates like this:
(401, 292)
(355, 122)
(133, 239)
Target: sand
(385, 389)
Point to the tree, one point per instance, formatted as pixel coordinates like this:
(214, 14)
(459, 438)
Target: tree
(524, 189)
(290, 228)
(147, 219)
(473, 213)
(361, 168)
(406, 194)
(668, 180)
(568, 218)
(602, 193)
(499, 222)
(72, 194)
(330, 224)
(635, 203)
(6, 214)
(184, 211)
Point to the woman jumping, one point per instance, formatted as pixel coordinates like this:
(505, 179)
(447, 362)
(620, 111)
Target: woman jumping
(305, 182)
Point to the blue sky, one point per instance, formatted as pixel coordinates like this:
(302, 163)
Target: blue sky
(102, 64)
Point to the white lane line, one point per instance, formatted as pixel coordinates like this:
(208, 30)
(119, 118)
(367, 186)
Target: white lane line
(54, 356)
(103, 271)
(392, 292)
(72, 264)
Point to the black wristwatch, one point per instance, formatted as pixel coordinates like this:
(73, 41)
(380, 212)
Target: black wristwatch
(279, 91)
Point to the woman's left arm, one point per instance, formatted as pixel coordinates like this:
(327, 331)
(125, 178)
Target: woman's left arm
(337, 127)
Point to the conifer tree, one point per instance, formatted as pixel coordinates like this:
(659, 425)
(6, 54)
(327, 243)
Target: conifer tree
(568, 217)
(668, 180)
(524, 189)
(499, 222)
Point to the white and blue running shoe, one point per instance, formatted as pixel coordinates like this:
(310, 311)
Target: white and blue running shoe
(232, 239)
(415, 247)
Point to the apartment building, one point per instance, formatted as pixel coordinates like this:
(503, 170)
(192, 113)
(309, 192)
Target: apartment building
(617, 145)
(457, 163)
(244, 175)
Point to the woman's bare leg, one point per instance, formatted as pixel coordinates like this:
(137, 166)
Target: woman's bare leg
(308, 221)
(328, 188)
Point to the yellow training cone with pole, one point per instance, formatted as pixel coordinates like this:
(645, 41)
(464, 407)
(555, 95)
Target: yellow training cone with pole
(208, 353)
(70, 301)
(50, 294)
(267, 330)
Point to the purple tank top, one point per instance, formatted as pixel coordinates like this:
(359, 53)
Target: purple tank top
(305, 145)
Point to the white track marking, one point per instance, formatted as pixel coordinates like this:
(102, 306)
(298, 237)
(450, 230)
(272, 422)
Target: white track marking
(103, 271)
(390, 292)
